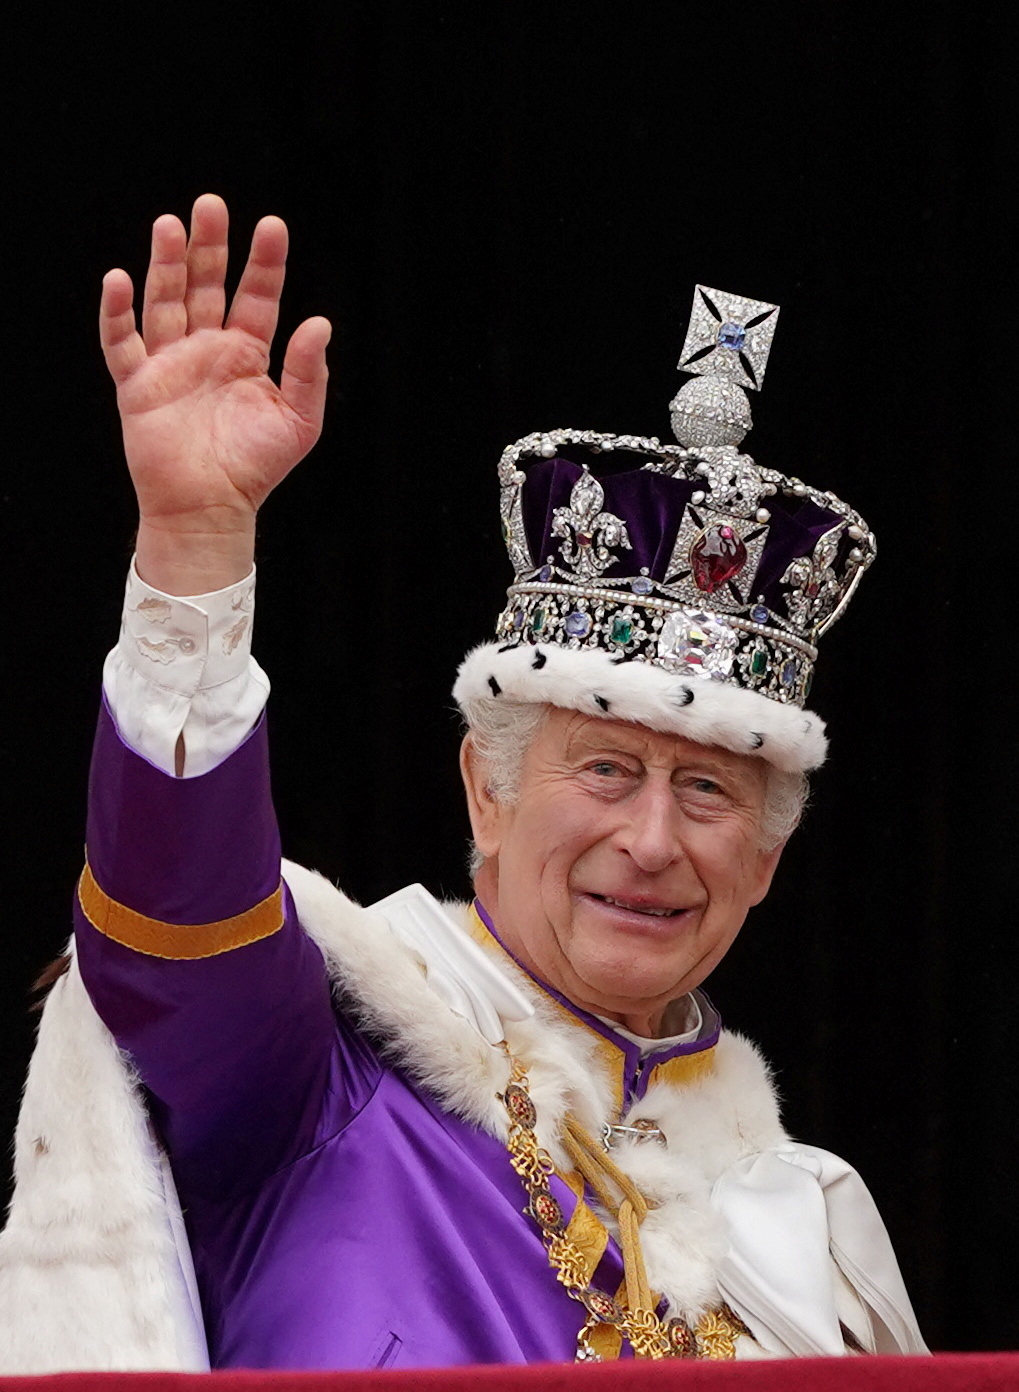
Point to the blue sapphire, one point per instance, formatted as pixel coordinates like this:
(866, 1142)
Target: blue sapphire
(545, 574)
(642, 585)
(578, 624)
(732, 336)
(788, 674)
(759, 614)
(518, 618)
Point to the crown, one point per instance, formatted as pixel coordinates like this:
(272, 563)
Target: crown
(689, 592)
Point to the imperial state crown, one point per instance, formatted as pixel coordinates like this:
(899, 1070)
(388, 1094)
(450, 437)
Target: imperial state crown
(689, 592)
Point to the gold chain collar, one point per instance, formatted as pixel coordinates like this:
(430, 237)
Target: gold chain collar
(634, 1315)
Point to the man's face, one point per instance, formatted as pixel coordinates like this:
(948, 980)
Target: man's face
(626, 867)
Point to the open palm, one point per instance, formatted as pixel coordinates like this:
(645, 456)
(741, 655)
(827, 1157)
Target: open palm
(207, 433)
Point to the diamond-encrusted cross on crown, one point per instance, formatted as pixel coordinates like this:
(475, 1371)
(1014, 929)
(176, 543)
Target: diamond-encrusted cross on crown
(729, 336)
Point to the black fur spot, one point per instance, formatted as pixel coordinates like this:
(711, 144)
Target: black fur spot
(617, 660)
(539, 660)
(602, 702)
(685, 696)
(507, 647)
(496, 688)
(757, 740)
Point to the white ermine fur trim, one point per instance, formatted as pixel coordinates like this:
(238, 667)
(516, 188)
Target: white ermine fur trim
(709, 1124)
(89, 1275)
(709, 712)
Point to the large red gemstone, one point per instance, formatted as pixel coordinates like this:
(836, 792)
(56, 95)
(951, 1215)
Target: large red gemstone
(716, 556)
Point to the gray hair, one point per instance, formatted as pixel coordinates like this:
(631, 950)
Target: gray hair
(503, 731)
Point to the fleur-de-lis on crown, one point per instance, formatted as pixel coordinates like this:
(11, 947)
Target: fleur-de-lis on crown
(590, 535)
(816, 587)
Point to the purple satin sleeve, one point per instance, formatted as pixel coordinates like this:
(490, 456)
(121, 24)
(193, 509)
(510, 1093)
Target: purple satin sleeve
(238, 1051)
(183, 850)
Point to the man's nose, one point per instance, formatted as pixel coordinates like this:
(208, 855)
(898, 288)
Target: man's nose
(650, 831)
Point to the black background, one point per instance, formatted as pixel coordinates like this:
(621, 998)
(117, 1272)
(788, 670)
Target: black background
(504, 210)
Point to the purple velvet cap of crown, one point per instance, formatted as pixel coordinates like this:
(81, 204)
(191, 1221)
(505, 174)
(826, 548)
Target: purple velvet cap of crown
(652, 505)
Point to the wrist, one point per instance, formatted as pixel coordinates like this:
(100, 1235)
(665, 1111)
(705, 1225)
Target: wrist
(181, 560)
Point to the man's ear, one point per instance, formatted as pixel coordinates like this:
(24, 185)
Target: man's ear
(767, 864)
(485, 812)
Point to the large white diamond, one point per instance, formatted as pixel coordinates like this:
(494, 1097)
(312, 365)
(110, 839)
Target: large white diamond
(697, 643)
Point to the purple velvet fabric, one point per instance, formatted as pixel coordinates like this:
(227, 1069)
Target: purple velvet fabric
(652, 506)
(339, 1218)
(168, 846)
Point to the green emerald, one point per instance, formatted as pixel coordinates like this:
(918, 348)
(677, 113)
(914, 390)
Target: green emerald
(808, 683)
(759, 662)
(538, 620)
(622, 631)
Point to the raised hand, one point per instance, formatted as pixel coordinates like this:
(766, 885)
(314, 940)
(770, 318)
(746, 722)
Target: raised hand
(207, 433)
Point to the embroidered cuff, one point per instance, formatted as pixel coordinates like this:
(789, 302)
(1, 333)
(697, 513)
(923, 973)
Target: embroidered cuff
(187, 644)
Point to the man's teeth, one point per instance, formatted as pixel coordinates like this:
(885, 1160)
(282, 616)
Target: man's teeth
(638, 908)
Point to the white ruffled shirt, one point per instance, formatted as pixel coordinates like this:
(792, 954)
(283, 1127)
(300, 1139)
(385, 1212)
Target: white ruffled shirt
(182, 670)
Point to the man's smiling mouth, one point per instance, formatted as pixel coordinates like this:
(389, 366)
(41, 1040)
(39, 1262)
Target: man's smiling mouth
(635, 907)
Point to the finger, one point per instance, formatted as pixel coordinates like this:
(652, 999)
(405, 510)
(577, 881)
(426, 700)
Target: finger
(303, 383)
(164, 318)
(256, 304)
(205, 299)
(122, 344)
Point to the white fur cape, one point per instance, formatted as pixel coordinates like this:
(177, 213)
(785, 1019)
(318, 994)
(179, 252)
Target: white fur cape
(94, 1270)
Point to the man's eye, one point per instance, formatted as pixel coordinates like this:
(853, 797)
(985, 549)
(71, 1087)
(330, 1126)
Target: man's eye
(707, 785)
(605, 769)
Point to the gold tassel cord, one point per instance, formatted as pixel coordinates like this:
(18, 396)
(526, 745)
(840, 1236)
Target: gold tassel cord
(598, 1167)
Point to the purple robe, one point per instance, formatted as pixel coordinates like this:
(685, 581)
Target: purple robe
(338, 1216)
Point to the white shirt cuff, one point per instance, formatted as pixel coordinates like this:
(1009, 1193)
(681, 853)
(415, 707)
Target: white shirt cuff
(183, 668)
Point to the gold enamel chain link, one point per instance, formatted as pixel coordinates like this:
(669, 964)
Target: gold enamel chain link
(648, 1335)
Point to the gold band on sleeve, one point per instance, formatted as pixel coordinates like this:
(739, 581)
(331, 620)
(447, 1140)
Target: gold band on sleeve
(177, 941)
